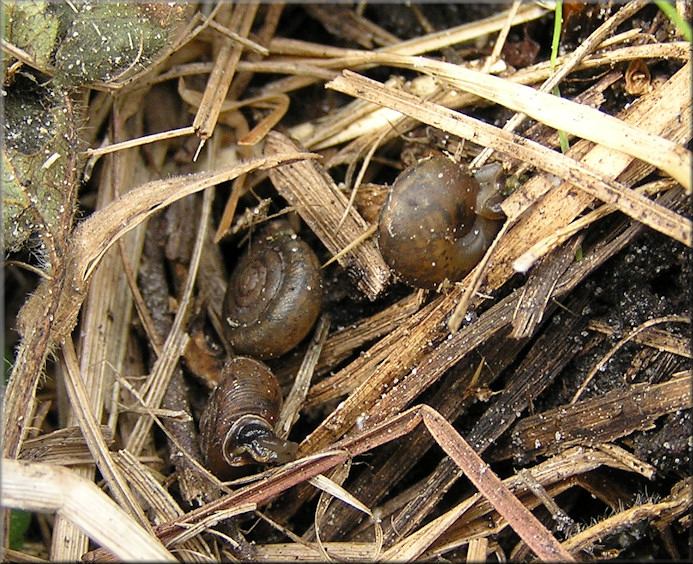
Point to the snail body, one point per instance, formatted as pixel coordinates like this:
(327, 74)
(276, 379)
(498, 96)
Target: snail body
(438, 221)
(274, 294)
(236, 427)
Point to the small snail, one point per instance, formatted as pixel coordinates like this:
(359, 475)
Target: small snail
(439, 220)
(274, 294)
(236, 427)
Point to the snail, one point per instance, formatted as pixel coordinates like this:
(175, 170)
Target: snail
(439, 220)
(274, 294)
(236, 426)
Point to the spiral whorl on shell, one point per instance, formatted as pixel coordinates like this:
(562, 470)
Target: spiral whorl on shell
(274, 294)
(236, 427)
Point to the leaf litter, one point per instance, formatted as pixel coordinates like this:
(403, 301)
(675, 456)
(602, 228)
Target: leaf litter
(443, 424)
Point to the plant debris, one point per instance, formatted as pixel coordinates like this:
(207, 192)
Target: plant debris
(538, 408)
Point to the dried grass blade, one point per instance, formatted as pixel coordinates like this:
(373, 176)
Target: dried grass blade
(523, 522)
(285, 552)
(157, 384)
(130, 143)
(79, 399)
(62, 447)
(348, 123)
(297, 472)
(415, 544)
(297, 396)
(223, 72)
(588, 179)
(160, 501)
(668, 509)
(354, 58)
(46, 488)
(97, 233)
(478, 548)
(337, 491)
(89, 241)
(279, 107)
(525, 261)
(655, 338)
(291, 474)
(475, 516)
(582, 121)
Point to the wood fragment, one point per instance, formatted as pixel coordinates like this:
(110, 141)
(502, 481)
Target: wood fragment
(619, 413)
(477, 551)
(539, 287)
(628, 460)
(309, 552)
(318, 200)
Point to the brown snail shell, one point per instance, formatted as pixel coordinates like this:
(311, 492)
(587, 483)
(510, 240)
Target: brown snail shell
(237, 425)
(274, 294)
(438, 222)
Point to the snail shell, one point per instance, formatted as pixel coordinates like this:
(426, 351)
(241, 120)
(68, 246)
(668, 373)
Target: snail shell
(274, 294)
(237, 425)
(438, 221)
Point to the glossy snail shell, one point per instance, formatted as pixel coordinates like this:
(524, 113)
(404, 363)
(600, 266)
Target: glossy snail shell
(274, 294)
(437, 222)
(236, 427)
